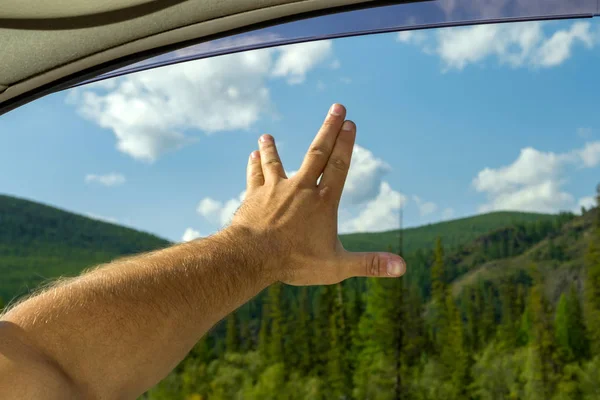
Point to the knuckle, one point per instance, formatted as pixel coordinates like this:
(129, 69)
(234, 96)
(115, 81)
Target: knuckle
(273, 162)
(268, 145)
(338, 164)
(372, 265)
(317, 151)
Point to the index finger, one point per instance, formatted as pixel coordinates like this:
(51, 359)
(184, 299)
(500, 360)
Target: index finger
(319, 151)
(338, 165)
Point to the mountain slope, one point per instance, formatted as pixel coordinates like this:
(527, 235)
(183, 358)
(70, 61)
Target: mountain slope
(455, 232)
(39, 242)
(559, 256)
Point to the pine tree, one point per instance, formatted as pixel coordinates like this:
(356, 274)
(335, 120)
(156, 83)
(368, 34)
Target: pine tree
(415, 338)
(569, 327)
(320, 343)
(276, 333)
(542, 366)
(232, 340)
(438, 296)
(454, 355)
(471, 303)
(337, 372)
(246, 336)
(592, 284)
(488, 316)
(263, 334)
(301, 347)
(375, 371)
(510, 316)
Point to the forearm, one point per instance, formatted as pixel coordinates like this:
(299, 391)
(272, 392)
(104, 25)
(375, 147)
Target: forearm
(119, 329)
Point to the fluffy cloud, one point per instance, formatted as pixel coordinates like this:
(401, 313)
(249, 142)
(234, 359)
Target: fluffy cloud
(531, 167)
(378, 214)
(425, 207)
(414, 37)
(368, 202)
(364, 178)
(514, 44)
(534, 181)
(112, 179)
(590, 154)
(218, 212)
(150, 111)
(296, 60)
(190, 234)
(587, 202)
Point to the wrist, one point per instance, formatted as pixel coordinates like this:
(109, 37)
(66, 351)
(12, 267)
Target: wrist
(258, 253)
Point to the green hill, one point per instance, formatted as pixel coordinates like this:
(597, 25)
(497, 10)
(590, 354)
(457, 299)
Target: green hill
(455, 232)
(558, 254)
(39, 242)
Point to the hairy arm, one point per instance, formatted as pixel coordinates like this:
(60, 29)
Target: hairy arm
(116, 331)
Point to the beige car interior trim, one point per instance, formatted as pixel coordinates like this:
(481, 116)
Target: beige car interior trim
(172, 37)
(36, 9)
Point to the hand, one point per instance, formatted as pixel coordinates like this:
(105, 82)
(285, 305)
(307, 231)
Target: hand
(295, 219)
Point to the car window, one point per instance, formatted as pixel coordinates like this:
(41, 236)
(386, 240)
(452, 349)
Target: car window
(477, 159)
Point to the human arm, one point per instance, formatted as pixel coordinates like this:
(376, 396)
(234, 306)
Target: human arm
(116, 331)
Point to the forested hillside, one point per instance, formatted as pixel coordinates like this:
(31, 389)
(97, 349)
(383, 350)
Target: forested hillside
(513, 314)
(39, 242)
(498, 306)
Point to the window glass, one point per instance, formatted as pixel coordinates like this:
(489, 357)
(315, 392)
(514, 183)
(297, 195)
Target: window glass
(482, 143)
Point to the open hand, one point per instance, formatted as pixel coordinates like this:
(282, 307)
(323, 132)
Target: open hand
(295, 219)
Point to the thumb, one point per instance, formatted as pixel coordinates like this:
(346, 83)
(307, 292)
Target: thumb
(383, 265)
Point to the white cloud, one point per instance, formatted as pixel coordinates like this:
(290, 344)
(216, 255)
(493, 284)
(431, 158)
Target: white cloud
(297, 59)
(425, 207)
(534, 181)
(587, 202)
(590, 154)
(112, 179)
(448, 213)
(335, 64)
(515, 44)
(368, 203)
(345, 80)
(102, 218)
(378, 214)
(320, 86)
(190, 234)
(542, 197)
(557, 49)
(531, 167)
(218, 212)
(364, 177)
(149, 112)
(414, 37)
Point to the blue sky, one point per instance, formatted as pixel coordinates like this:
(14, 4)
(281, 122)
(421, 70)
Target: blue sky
(451, 123)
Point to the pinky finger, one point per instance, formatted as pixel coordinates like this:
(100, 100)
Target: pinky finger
(254, 172)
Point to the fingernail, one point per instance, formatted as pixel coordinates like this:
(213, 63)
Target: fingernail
(336, 109)
(395, 268)
(266, 138)
(348, 126)
(254, 155)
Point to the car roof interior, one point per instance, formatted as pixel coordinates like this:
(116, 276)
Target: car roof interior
(50, 46)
